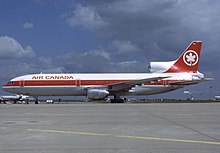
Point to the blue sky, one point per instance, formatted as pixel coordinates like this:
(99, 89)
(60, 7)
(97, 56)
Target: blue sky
(53, 36)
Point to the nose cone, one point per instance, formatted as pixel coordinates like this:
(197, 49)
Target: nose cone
(4, 87)
(8, 87)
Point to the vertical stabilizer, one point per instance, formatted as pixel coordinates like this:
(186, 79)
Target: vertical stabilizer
(189, 60)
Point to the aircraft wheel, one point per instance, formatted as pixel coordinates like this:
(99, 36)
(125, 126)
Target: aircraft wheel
(117, 101)
(121, 101)
(113, 101)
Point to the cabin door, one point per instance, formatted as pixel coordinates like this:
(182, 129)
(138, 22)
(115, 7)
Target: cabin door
(21, 83)
(78, 82)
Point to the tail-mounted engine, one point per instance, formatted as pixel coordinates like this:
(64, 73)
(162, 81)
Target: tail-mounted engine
(160, 67)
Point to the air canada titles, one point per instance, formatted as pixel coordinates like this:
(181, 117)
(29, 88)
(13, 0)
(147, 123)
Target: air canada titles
(52, 77)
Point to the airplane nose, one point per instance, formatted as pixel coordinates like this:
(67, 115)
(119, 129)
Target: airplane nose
(4, 87)
(7, 88)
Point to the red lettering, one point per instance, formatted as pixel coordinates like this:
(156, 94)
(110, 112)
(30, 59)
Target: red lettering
(37, 77)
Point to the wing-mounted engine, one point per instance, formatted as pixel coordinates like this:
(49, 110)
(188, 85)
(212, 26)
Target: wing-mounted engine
(160, 67)
(97, 94)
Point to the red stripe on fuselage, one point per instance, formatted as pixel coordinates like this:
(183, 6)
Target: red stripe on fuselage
(78, 82)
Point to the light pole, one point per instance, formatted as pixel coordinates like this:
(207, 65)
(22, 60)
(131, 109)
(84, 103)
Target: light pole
(210, 92)
(189, 94)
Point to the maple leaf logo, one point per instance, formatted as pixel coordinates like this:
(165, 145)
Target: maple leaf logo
(190, 58)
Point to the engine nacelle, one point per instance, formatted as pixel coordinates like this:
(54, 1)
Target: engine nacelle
(160, 67)
(97, 94)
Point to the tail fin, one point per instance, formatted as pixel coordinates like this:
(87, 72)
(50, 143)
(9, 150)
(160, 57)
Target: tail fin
(189, 60)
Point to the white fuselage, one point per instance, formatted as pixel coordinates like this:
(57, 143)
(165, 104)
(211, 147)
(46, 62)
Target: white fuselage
(164, 77)
(77, 84)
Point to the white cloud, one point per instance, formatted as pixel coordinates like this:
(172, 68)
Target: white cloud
(47, 61)
(128, 66)
(100, 53)
(125, 46)
(14, 68)
(54, 70)
(158, 30)
(48, 65)
(87, 17)
(11, 49)
(90, 61)
(98, 61)
(28, 25)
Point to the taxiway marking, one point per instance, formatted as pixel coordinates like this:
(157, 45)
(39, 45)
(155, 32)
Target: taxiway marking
(127, 136)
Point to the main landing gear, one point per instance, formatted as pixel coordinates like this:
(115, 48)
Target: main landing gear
(117, 99)
(36, 100)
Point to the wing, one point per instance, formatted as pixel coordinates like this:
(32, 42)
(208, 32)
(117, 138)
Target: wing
(125, 86)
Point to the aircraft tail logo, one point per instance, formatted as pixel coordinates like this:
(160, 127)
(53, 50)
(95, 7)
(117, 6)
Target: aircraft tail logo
(189, 60)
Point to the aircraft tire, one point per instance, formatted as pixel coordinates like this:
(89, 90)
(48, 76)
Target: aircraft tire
(117, 101)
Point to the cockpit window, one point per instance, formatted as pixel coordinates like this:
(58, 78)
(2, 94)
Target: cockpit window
(10, 82)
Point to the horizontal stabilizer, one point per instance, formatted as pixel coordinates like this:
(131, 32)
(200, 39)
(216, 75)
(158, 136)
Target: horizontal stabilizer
(209, 79)
(185, 82)
(191, 82)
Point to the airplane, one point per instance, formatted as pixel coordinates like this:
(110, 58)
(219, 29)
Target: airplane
(13, 98)
(163, 77)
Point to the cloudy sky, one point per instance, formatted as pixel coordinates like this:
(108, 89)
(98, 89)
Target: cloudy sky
(53, 36)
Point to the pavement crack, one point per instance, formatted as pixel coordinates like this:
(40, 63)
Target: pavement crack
(181, 125)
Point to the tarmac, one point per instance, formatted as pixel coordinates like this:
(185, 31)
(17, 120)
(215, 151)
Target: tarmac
(110, 128)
